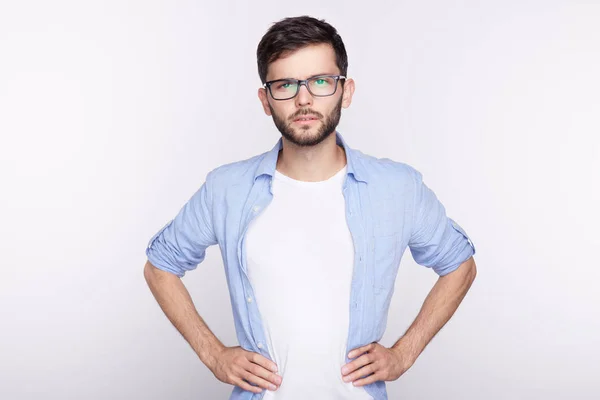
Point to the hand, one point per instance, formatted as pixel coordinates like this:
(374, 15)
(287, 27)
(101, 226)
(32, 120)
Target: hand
(236, 366)
(378, 362)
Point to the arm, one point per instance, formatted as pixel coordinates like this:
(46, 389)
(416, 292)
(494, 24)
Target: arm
(232, 365)
(179, 247)
(437, 242)
(440, 243)
(389, 364)
(439, 306)
(175, 301)
(175, 249)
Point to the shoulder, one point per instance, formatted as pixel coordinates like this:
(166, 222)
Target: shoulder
(234, 173)
(386, 170)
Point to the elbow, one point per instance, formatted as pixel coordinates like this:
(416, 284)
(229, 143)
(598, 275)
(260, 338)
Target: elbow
(150, 271)
(471, 269)
(467, 271)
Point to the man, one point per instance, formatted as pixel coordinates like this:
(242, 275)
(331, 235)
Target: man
(311, 234)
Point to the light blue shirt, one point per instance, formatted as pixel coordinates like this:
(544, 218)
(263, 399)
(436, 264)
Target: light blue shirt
(388, 207)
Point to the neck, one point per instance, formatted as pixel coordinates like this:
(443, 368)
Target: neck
(311, 164)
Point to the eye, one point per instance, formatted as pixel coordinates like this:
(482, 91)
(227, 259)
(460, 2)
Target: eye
(283, 85)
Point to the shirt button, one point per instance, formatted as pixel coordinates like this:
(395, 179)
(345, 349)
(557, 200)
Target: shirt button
(256, 208)
(249, 299)
(260, 345)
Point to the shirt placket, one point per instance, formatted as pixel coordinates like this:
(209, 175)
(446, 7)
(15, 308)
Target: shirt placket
(357, 231)
(256, 327)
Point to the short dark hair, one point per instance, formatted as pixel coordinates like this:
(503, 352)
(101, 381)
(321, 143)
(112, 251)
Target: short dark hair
(293, 33)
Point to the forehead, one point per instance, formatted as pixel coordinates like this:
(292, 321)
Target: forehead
(305, 62)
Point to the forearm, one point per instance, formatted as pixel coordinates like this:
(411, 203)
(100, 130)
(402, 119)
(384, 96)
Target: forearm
(176, 302)
(438, 307)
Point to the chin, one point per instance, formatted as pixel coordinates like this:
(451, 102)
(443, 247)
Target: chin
(306, 134)
(312, 130)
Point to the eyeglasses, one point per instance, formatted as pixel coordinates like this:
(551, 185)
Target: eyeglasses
(318, 86)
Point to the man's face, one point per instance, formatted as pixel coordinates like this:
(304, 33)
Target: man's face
(304, 63)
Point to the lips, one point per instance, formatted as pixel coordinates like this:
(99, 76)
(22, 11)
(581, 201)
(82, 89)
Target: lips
(306, 118)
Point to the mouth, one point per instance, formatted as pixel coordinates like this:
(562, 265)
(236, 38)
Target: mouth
(307, 119)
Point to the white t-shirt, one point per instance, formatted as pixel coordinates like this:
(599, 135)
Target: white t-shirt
(300, 258)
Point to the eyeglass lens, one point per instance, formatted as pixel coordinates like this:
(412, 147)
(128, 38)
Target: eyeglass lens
(318, 86)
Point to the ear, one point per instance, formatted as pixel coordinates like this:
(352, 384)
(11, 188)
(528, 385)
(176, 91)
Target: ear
(264, 101)
(348, 92)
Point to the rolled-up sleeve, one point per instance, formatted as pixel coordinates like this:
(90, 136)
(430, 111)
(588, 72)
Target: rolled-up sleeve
(436, 240)
(181, 244)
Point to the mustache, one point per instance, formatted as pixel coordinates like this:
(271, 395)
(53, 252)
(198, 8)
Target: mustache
(303, 112)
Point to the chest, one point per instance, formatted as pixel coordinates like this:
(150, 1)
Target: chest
(297, 238)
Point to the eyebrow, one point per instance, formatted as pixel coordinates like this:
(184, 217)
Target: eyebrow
(313, 76)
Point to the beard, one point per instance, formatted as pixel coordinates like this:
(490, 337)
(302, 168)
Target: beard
(300, 135)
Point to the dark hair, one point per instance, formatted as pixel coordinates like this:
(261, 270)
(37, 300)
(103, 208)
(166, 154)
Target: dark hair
(293, 33)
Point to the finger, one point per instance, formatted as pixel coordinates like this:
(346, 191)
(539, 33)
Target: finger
(364, 371)
(262, 361)
(245, 385)
(250, 377)
(360, 350)
(361, 361)
(368, 380)
(264, 373)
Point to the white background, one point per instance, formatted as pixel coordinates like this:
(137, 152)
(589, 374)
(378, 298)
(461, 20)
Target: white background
(112, 113)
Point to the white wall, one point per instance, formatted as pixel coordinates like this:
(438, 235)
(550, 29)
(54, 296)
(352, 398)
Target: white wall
(112, 113)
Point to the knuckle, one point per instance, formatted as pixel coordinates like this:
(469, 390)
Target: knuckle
(248, 385)
(247, 376)
(265, 384)
(245, 386)
(233, 372)
(262, 373)
(250, 388)
(255, 380)
(254, 370)
(238, 359)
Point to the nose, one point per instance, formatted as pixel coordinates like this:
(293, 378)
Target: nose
(304, 97)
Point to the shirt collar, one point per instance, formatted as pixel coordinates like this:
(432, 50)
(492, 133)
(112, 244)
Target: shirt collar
(269, 162)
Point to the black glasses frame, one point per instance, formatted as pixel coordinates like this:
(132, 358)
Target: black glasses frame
(300, 82)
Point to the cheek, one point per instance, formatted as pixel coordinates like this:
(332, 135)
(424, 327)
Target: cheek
(281, 112)
(330, 107)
